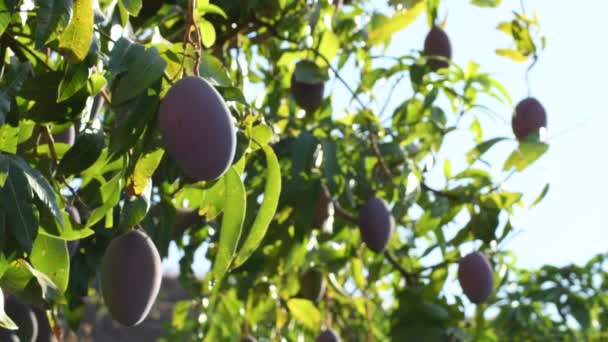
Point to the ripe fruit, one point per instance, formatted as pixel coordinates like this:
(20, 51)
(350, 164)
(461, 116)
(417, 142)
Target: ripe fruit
(307, 85)
(8, 336)
(475, 277)
(130, 277)
(528, 118)
(67, 136)
(328, 335)
(73, 244)
(248, 339)
(376, 224)
(312, 285)
(25, 319)
(197, 129)
(437, 43)
(45, 333)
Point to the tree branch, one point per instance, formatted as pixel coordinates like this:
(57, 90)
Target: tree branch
(407, 276)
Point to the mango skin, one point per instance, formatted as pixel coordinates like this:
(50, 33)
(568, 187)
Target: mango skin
(25, 319)
(328, 335)
(308, 96)
(476, 277)
(376, 224)
(197, 129)
(130, 277)
(437, 43)
(67, 137)
(312, 285)
(8, 336)
(529, 116)
(45, 333)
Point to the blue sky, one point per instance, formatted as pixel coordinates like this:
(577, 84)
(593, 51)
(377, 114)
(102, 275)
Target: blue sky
(568, 225)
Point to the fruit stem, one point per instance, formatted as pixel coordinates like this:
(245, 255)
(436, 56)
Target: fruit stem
(408, 277)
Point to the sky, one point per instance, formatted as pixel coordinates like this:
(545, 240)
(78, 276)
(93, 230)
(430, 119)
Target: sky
(567, 226)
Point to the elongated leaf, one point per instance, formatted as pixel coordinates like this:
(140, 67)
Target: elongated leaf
(50, 256)
(51, 15)
(476, 152)
(394, 24)
(305, 312)
(272, 192)
(213, 71)
(41, 187)
(232, 223)
(69, 231)
(512, 54)
(74, 79)
(6, 10)
(132, 6)
(110, 195)
(20, 216)
(9, 138)
(143, 67)
(527, 153)
(136, 208)
(540, 196)
(4, 167)
(83, 154)
(144, 169)
(75, 41)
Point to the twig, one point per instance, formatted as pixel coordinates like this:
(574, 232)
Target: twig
(51, 143)
(436, 266)
(408, 277)
(528, 70)
(439, 192)
(390, 95)
(74, 192)
(344, 214)
(105, 96)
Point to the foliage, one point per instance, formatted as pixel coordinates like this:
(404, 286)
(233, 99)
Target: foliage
(105, 70)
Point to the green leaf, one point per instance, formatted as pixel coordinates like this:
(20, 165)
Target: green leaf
(213, 203)
(512, 54)
(83, 154)
(144, 169)
(203, 7)
(385, 30)
(9, 138)
(207, 33)
(232, 223)
(110, 195)
(305, 312)
(5, 321)
(136, 208)
(132, 6)
(70, 230)
(486, 3)
(20, 211)
(272, 192)
(213, 71)
(476, 152)
(6, 11)
(51, 16)
(527, 153)
(330, 45)
(4, 167)
(142, 67)
(358, 276)
(74, 79)
(41, 186)
(50, 256)
(75, 41)
(95, 83)
(541, 196)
